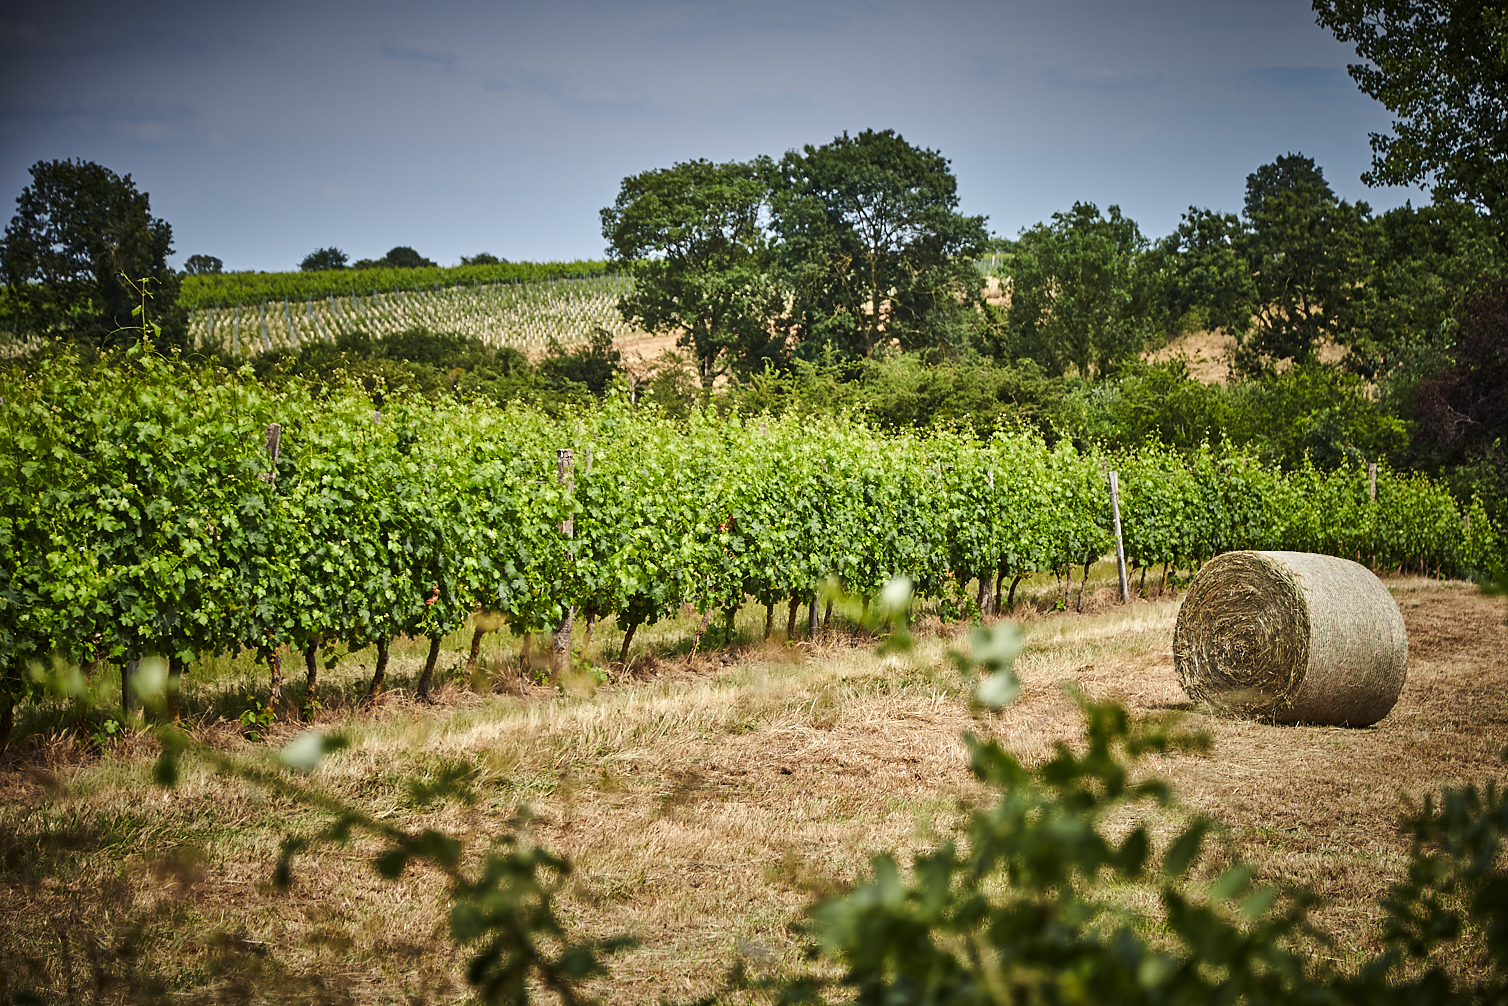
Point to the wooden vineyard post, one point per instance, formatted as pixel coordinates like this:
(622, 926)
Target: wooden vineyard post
(274, 432)
(1120, 545)
(560, 651)
(1372, 481)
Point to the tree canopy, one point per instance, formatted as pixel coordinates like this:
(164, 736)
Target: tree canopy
(322, 259)
(873, 245)
(1441, 67)
(1080, 299)
(81, 236)
(202, 265)
(1304, 247)
(693, 237)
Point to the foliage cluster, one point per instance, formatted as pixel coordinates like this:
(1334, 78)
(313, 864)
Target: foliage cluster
(845, 250)
(82, 240)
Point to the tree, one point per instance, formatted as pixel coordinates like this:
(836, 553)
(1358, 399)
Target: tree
(404, 257)
(1204, 279)
(401, 257)
(1079, 296)
(874, 245)
(322, 259)
(1304, 248)
(1440, 66)
(1421, 264)
(483, 258)
(1463, 412)
(80, 237)
(202, 265)
(692, 236)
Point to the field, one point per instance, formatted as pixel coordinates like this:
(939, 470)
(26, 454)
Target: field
(702, 799)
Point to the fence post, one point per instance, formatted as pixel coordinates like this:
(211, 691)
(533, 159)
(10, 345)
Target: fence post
(560, 650)
(1120, 545)
(1372, 481)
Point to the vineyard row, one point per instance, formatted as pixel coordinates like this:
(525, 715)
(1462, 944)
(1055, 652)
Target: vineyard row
(154, 508)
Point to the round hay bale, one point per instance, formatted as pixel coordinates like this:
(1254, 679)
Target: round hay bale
(1293, 637)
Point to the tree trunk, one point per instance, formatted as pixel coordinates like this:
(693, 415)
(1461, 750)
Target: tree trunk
(7, 719)
(1010, 602)
(1082, 584)
(790, 618)
(769, 620)
(275, 667)
(429, 669)
(175, 683)
(586, 640)
(827, 618)
(524, 667)
(379, 675)
(127, 700)
(999, 588)
(475, 655)
(628, 637)
(981, 596)
(311, 678)
(700, 632)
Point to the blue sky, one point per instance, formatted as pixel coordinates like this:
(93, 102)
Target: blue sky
(263, 130)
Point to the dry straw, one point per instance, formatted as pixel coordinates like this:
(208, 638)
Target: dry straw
(1292, 637)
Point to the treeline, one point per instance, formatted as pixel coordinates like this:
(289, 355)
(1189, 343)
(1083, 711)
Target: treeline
(161, 508)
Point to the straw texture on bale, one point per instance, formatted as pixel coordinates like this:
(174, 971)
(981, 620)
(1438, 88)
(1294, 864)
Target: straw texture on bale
(1293, 637)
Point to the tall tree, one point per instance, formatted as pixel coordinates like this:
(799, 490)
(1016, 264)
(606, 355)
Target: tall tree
(874, 244)
(1080, 300)
(1440, 66)
(693, 237)
(80, 237)
(1305, 249)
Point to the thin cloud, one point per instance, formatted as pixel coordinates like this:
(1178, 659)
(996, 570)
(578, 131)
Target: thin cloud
(786, 101)
(144, 121)
(1102, 78)
(425, 53)
(592, 95)
(1298, 78)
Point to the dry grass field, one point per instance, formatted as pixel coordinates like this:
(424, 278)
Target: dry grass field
(702, 800)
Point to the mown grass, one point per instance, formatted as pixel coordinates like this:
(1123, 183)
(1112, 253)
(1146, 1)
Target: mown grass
(703, 800)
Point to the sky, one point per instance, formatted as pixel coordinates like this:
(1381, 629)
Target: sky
(265, 129)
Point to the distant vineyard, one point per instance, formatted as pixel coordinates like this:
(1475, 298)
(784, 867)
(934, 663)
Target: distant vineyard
(521, 314)
(232, 288)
